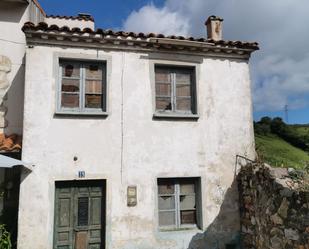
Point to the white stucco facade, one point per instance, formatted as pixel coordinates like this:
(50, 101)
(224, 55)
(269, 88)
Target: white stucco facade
(131, 147)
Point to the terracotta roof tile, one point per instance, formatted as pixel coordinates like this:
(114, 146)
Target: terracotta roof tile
(44, 27)
(11, 143)
(80, 18)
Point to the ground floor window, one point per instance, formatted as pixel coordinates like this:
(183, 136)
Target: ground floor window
(179, 202)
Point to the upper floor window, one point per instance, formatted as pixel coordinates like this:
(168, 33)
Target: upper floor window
(82, 87)
(175, 90)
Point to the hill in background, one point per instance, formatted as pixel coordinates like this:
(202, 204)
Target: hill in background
(282, 145)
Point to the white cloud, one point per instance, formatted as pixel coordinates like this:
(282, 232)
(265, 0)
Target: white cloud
(158, 20)
(280, 69)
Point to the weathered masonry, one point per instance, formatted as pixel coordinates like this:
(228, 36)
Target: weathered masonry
(133, 137)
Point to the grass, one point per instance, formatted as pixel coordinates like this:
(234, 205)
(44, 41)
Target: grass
(301, 129)
(277, 152)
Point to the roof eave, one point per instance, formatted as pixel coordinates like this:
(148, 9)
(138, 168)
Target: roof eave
(53, 34)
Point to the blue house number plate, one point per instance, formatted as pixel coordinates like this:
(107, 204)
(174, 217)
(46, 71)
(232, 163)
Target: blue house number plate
(81, 174)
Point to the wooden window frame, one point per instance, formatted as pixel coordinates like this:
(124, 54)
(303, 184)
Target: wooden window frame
(176, 182)
(174, 111)
(82, 110)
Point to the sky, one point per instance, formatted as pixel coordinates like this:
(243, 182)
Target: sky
(279, 70)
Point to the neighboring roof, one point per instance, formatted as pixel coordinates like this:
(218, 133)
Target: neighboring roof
(150, 40)
(11, 143)
(79, 17)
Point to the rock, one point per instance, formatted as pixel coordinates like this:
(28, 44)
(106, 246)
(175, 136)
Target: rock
(276, 243)
(279, 172)
(276, 232)
(291, 234)
(283, 209)
(253, 220)
(276, 219)
(247, 199)
(286, 192)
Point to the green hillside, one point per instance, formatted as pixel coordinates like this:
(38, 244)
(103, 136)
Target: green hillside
(301, 129)
(277, 152)
(280, 144)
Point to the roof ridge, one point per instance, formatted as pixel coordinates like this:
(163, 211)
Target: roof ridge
(85, 18)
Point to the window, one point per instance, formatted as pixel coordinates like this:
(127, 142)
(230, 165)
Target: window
(175, 90)
(178, 203)
(82, 87)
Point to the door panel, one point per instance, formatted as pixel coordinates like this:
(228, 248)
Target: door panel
(79, 215)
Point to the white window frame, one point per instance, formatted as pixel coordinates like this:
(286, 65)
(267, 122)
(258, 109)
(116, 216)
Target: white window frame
(177, 194)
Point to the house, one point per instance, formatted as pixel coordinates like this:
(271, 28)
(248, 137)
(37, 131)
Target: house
(13, 15)
(132, 138)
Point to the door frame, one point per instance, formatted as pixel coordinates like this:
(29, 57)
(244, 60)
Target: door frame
(78, 184)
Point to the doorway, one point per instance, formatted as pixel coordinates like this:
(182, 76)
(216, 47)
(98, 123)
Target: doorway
(80, 215)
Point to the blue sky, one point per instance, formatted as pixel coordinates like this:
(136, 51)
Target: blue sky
(280, 70)
(107, 14)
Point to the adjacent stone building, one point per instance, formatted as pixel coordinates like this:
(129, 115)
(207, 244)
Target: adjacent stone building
(133, 137)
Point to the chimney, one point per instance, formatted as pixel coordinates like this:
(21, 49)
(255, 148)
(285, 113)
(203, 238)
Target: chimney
(214, 28)
(84, 15)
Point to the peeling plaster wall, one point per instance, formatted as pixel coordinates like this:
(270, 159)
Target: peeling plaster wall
(137, 152)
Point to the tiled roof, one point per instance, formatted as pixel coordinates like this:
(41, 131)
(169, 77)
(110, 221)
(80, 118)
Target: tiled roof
(11, 143)
(80, 17)
(76, 37)
(42, 26)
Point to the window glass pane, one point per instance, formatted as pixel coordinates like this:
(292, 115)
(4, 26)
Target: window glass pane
(183, 78)
(167, 218)
(163, 103)
(94, 71)
(166, 202)
(188, 217)
(93, 101)
(70, 70)
(187, 188)
(162, 75)
(183, 104)
(69, 100)
(187, 202)
(93, 86)
(183, 91)
(82, 218)
(166, 186)
(70, 85)
(163, 89)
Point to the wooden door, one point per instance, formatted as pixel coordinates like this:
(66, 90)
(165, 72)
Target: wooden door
(79, 215)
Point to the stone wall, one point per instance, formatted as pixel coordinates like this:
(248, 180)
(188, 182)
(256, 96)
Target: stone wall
(274, 209)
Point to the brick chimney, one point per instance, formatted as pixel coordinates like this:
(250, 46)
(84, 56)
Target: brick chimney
(214, 28)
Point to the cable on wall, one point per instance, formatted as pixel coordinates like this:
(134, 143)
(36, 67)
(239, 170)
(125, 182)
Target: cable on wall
(122, 115)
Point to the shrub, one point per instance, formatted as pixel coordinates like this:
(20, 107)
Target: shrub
(5, 238)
